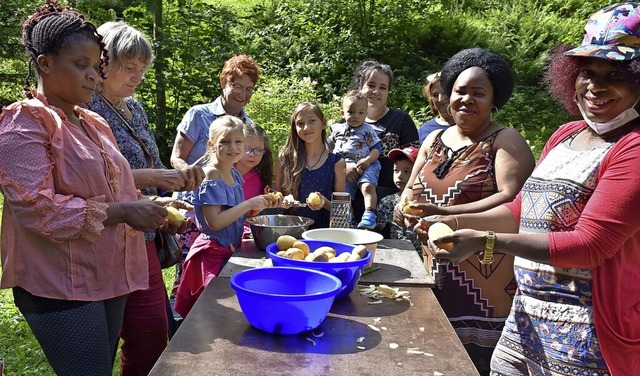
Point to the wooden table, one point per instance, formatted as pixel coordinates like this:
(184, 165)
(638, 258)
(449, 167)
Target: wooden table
(216, 339)
(396, 263)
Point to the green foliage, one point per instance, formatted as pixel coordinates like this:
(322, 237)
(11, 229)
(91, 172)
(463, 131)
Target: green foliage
(19, 348)
(534, 113)
(272, 105)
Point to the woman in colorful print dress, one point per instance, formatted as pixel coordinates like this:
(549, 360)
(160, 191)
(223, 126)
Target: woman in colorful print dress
(472, 166)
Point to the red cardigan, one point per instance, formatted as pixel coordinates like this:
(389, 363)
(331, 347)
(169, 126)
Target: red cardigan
(606, 239)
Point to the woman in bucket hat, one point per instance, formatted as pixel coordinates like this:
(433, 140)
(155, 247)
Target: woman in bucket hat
(574, 227)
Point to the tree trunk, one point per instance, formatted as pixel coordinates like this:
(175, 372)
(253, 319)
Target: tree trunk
(161, 95)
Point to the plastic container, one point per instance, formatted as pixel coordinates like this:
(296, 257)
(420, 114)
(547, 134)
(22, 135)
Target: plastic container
(352, 236)
(283, 300)
(348, 272)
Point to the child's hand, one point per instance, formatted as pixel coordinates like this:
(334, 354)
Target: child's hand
(261, 202)
(287, 201)
(362, 164)
(316, 204)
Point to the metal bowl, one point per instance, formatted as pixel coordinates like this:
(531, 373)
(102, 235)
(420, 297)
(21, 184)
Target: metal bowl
(267, 228)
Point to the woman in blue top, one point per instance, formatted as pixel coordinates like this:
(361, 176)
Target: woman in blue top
(220, 209)
(306, 166)
(439, 106)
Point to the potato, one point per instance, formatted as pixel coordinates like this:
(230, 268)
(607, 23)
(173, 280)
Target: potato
(276, 195)
(361, 250)
(325, 249)
(354, 257)
(438, 230)
(285, 242)
(303, 246)
(314, 199)
(344, 256)
(281, 253)
(294, 253)
(317, 257)
(409, 210)
(174, 216)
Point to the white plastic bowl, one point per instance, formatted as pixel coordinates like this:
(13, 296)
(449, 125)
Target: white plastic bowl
(352, 236)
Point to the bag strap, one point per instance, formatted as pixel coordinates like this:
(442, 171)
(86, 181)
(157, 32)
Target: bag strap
(127, 123)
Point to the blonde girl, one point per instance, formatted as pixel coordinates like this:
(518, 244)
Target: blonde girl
(305, 165)
(220, 209)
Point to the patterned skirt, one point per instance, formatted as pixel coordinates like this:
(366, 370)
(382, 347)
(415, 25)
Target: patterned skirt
(550, 329)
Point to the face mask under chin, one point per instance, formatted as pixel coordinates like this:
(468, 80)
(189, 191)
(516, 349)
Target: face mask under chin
(604, 127)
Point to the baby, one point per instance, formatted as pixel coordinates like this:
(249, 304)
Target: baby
(358, 143)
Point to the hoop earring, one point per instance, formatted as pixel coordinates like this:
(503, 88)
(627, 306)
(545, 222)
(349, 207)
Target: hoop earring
(449, 110)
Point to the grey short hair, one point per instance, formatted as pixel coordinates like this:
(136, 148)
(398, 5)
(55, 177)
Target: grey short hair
(124, 42)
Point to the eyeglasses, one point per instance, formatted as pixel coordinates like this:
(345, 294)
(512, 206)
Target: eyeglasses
(257, 152)
(239, 89)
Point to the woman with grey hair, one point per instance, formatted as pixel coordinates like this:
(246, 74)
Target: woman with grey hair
(144, 328)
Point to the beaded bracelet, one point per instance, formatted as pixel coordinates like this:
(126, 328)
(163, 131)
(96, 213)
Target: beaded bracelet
(486, 257)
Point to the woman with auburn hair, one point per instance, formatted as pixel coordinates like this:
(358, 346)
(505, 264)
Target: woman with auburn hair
(238, 80)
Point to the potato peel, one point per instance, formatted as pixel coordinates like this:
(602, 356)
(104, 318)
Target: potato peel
(384, 291)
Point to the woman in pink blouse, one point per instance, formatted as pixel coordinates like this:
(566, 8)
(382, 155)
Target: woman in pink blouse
(70, 246)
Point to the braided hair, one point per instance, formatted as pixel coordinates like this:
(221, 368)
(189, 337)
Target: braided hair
(48, 30)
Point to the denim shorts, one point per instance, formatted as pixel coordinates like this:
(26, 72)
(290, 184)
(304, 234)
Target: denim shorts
(370, 175)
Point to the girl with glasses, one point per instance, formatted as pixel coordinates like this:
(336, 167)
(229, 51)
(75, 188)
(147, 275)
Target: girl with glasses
(256, 165)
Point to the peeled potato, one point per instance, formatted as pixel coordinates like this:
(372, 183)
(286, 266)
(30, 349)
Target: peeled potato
(294, 253)
(276, 195)
(409, 210)
(174, 216)
(325, 249)
(361, 250)
(354, 257)
(285, 242)
(303, 246)
(314, 199)
(438, 230)
(344, 256)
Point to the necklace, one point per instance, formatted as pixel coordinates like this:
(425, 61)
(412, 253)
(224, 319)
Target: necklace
(118, 103)
(309, 167)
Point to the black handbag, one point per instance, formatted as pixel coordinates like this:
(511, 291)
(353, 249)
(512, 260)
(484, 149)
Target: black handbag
(168, 248)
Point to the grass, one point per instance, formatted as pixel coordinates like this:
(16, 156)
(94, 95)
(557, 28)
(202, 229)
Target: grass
(21, 352)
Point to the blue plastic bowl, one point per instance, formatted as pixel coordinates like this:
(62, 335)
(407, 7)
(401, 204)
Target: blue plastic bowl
(284, 300)
(348, 272)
